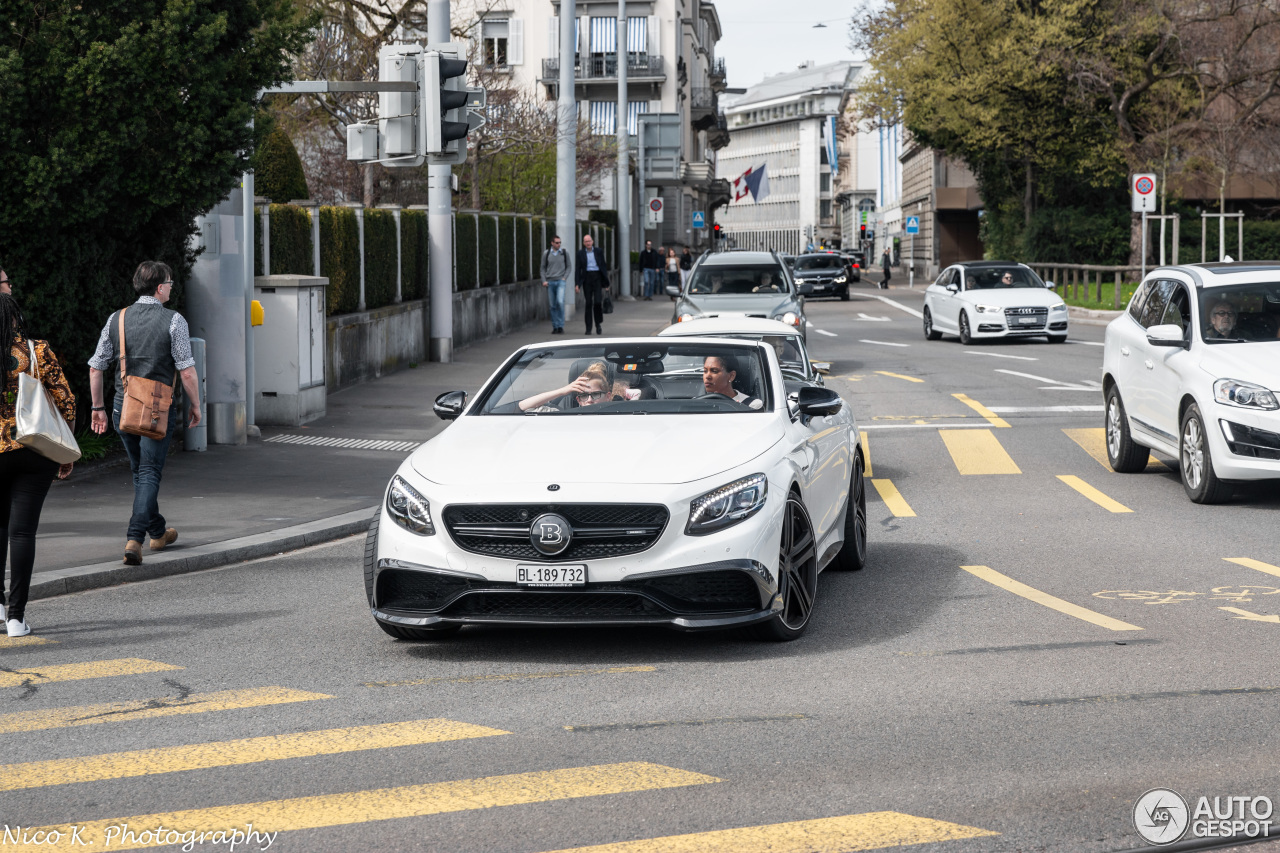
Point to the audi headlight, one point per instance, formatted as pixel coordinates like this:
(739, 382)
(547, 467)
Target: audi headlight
(1060, 306)
(727, 505)
(409, 509)
(791, 318)
(841, 279)
(1246, 395)
(989, 309)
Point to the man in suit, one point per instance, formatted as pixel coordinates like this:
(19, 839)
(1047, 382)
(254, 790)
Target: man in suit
(592, 282)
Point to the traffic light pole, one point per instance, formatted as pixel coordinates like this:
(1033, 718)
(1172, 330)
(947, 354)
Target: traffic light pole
(624, 160)
(566, 140)
(440, 220)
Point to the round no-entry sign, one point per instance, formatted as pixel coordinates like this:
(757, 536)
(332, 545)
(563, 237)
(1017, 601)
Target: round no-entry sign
(655, 205)
(1144, 185)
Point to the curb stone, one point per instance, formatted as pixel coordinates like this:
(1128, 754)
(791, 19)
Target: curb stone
(201, 557)
(1091, 317)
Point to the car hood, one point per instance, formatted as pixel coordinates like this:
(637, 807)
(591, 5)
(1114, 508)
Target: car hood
(767, 304)
(798, 274)
(1253, 362)
(594, 449)
(1021, 297)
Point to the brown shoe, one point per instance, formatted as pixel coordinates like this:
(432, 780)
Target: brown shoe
(133, 553)
(170, 536)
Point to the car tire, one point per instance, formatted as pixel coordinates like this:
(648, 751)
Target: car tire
(419, 634)
(797, 575)
(930, 333)
(1196, 463)
(966, 337)
(844, 294)
(1057, 339)
(1125, 455)
(853, 554)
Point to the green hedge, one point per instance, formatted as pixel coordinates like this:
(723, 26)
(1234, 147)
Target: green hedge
(379, 258)
(278, 171)
(542, 235)
(413, 261)
(340, 258)
(604, 217)
(464, 251)
(487, 239)
(1261, 240)
(524, 243)
(506, 249)
(290, 240)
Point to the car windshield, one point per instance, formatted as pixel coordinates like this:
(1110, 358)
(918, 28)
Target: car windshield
(726, 279)
(819, 262)
(631, 379)
(1245, 313)
(788, 348)
(999, 278)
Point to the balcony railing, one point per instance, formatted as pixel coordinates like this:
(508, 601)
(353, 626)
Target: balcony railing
(604, 66)
(718, 73)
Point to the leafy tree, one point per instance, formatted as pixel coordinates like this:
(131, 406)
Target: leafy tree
(121, 122)
(277, 169)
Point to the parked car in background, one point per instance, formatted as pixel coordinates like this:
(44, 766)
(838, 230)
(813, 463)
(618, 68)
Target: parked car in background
(993, 299)
(741, 284)
(822, 274)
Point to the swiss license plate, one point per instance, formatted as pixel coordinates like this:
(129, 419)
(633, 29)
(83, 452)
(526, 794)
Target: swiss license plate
(1027, 320)
(551, 575)
(817, 287)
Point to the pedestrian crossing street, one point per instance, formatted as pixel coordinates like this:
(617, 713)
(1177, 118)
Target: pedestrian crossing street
(251, 824)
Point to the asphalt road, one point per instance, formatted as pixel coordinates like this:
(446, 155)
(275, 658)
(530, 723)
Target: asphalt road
(1024, 657)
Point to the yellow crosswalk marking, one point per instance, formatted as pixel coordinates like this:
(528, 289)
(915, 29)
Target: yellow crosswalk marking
(148, 762)
(978, 451)
(892, 499)
(1093, 440)
(1052, 602)
(899, 376)
(870, 831)
(359, 807)
(1093, 494)
(78, 671)
(19, 642)
(866, 452)
(992, 418)
(1254, 564)
(166, 706)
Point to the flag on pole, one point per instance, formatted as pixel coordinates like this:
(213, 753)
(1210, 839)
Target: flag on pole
(753, 182)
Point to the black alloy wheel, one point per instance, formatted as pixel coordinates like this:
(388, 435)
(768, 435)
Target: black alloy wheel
(965, 337)
(853, 554)
(370, 563)
(930, 333)
(1196, 463)
(1125, 455)
(844, 294)
(797, 575)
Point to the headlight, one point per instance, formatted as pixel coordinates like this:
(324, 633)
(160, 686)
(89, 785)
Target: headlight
(791, 318)
(1061, 306)
(409, 509)
(989, 309)
(1246, 395)
(841, 279)
(727, 505)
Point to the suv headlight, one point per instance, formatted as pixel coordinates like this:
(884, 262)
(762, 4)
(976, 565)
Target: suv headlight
(409, 509)
(727, 505)
(1246, 395)
(791, 318)
(841, 279)
(989, 309)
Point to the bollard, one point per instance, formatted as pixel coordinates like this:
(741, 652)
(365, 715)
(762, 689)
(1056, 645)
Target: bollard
(197, 438)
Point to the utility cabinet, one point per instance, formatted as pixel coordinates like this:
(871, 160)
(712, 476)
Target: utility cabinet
(289, 349)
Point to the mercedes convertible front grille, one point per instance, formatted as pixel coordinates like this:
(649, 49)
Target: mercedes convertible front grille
(597, 531)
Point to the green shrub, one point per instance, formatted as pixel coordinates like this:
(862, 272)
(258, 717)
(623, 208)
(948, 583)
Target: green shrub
(340, 258)
(464, 251)
(487, 240)
(277, 169)
(524, 244)
(506, 249)
(1261, 240)
(257, 241)
(604, 217)
(413, 246)
(379, 258)
(291, 241)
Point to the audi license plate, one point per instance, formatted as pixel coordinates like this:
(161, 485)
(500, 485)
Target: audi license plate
(1028, 320)
(551, 575)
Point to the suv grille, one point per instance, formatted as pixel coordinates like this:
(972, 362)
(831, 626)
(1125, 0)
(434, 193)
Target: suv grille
(599, 530)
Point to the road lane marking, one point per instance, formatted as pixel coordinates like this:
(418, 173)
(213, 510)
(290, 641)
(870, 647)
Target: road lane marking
(509, 676)
(866, 453)
(173, 759)
(658, 724)
(358, 807)
(1029, 647)
(887, 301)
(991, 416)
(1093, 440)
(29, 640)
(1013, 410)
(166, 706)
(1140, 697)
(862, 316)
(868, 831)
(899, 376)
(977, 452)
(1001, 355)
(882, 343)
(1005, 582)
(1254, 564)
(825, 332)
(80, 671)
(1093, 494)
(1253, 617)
(893, 499)
(924, 425)
(1055, 385)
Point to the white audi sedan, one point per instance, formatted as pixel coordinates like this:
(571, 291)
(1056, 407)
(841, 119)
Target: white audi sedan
(993, 299)
(623, 482)
(1192, 369)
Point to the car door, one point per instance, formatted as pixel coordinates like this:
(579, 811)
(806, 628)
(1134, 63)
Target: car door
(1141, 399)
(1168, 364)
(942, 302)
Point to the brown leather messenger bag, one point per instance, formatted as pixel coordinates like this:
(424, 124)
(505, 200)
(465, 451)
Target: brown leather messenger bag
(145, 408)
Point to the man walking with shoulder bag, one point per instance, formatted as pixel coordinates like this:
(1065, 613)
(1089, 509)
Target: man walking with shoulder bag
(592, 282)
(555, 271)
(147, 347)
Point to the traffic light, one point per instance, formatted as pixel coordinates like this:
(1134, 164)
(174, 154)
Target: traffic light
(444, 100)
(397, 118)
(715, 232)
(864, 231)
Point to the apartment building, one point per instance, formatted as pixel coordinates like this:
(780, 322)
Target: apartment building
(943, 193)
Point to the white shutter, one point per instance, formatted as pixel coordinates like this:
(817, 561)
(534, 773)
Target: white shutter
(515, 41)
(553, 37)
(578, 37)
(655, 41)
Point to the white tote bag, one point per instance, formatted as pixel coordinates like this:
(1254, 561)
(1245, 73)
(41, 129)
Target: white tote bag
(39, 423)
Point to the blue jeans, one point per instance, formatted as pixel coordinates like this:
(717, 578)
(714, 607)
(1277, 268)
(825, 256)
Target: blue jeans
(650, 283)
(146, 461)
(555, 298)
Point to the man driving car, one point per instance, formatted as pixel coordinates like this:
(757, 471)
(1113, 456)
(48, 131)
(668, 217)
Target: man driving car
(1222, 321)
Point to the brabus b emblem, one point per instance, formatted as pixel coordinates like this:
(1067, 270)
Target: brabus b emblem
(550, 534)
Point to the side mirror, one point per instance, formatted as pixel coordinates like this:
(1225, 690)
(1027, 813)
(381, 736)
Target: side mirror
(672, 290)
(821, 366)
(818, 402)
(1167, 335)
(450, 404)
(1050, 285)
(953, 288)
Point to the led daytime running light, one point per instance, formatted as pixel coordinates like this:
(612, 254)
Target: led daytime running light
(724, 503)
(408, 508)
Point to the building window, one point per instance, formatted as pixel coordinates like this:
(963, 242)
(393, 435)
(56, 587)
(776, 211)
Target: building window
(634, 109)
(824, 184)
(494, 35)
(603, 116)
(825, 209)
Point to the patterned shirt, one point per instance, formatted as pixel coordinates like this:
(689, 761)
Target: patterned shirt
(179, 341)
(50, 374)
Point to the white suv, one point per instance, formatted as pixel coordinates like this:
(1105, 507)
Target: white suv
(1192, 369)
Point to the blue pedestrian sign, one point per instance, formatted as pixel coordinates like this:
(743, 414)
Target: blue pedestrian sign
(913, 224)
(699, 219)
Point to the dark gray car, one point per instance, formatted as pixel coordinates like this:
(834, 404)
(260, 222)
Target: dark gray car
(741, 284)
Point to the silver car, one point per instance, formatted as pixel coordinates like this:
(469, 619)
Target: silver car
(741, 284)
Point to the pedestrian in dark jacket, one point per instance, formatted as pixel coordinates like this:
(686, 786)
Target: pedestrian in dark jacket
(591, 277)
(886, 261)
(651, 269)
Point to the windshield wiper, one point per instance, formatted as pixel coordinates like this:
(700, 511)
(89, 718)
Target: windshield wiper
(1226, 340)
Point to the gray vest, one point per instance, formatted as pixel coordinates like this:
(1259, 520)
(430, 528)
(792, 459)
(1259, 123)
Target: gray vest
(148, 346)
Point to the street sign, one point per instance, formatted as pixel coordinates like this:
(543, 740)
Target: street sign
(1143, 186)
(655, 211)
(913, 224)
(699, 219)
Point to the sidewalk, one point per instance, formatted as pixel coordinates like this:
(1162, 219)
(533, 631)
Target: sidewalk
(239, 503)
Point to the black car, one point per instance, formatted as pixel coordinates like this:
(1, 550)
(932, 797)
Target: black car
(823, 274)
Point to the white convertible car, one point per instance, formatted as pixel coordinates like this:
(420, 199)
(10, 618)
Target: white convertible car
(993, 299)
(623, 482)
